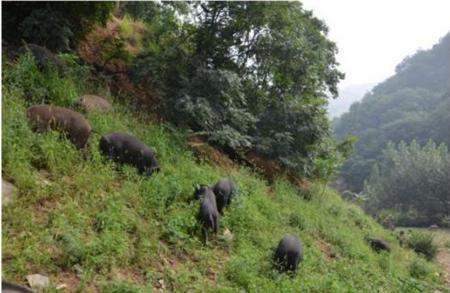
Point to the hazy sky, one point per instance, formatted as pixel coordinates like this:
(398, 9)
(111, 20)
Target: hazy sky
(373, 36)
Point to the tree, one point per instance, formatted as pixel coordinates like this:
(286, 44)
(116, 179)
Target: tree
(412, 182)
(281, 63)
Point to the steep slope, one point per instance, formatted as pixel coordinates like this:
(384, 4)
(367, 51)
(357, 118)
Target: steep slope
(412, 104)
(92, 226)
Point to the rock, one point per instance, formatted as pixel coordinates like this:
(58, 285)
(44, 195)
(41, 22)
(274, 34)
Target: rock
(43, 177)
(61, 286)
(211, 273)
(93, 103)
(160, 284)
(228, 236)
(38, 282)
(78, 270)
(8, 191)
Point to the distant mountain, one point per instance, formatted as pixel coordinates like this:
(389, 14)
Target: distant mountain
(412, 104)
(347, 96)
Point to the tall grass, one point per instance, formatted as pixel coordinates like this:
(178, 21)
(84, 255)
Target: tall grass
(111, 230)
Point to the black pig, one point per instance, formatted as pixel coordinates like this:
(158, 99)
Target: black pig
(288, 254)
(208, 214)
(378, 245)
(126, 149)
(8, 287)
(224, 192)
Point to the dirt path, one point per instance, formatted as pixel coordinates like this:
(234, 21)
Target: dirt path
(443, 258)
(442, 238)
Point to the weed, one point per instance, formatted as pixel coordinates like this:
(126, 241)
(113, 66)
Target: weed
(123, 287)
(423, 243)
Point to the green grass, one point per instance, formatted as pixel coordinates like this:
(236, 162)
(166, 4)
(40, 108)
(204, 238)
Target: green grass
(108, 229)
(441, 236)
(133, 31)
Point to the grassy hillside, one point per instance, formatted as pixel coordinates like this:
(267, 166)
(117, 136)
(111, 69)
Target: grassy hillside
(95, 227)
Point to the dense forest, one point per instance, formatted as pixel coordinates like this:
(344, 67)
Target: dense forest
(209, 91)
(412, 105)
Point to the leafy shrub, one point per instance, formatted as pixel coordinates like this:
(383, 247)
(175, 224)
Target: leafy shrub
(423, 243)
(73, 250)
(112, 48)
(290, 132)
(419, 268)
(212, 102)
(49, 86)
(181, 228)
(46, 28)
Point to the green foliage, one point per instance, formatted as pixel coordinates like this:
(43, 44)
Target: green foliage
(413, 182)
(123, 287)
(291, 132)
(52, 24)
(121, 232)
(412, 104)
(49, 87)
(133, 31)
(419, 269)
(44, 27)
(423, 243)
(243, 74)
(213, 103)
(149, 11)
(73, 250)
(113, 48)
(331, 156)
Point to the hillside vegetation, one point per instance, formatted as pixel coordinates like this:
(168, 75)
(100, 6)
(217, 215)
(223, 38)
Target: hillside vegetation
(94, 226)
(248, 77)
(401, 160)
(411, 105)
(410, 186)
